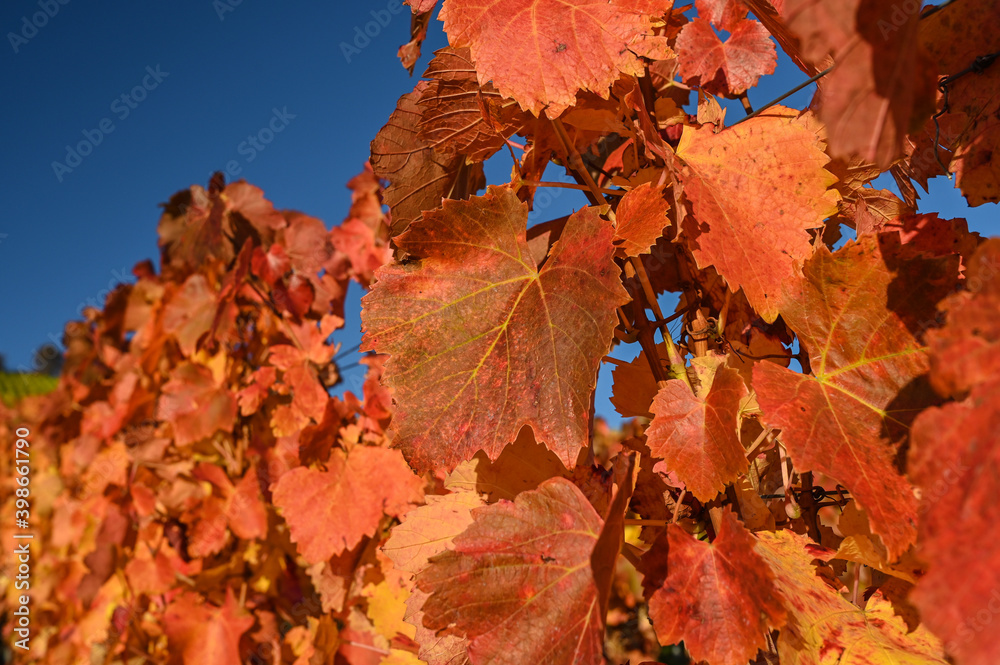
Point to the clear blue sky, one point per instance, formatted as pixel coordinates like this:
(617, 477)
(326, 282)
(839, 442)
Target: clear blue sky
(214, 73)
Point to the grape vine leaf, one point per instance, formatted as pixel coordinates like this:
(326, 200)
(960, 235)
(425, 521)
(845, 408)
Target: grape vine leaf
(967, 350)
(724, 14)
(419, 176)
(409, 52)
(769, 13)
(425, 532)
(430, 529)
(725, 68)
(756, 189)
(523, 465)
(640, 219)
(696, 434)
(373, 481)
(561, 47)
(823, 627)
(882, 84)
(204, 634)
(190, 312)
(460, 117)
(363, 236)
(719, 597)
(954, 460)
(196, 404)
(519, 582)
(634, 386)
(855, 311)
(971, 127)
(482, 341)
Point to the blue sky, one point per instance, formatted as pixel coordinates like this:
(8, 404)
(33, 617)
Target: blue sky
(198, 78)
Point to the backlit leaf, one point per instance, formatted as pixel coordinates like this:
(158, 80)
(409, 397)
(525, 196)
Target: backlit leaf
(725, 68)
(696, 434)
(882, 84)
(561, 47)
(419, 176)
(482, 340)
(640, 219)
(857, 322)
(374, 481)
(826, 629)
(718, 598)
(756, 189)
(519, 582)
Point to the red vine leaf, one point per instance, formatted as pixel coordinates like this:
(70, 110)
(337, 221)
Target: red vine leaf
(190, 313)
(754, 229)
(419, 176)
(967, 350)
(724, 14)
(196, 404)
(696, 434)
(640, 219)
(634, 386)
(846, 419)
(374, 481)
(718, 598)
(482, 341)
(824, 627)
(561, 47)
(725, 68)
(430, 529)
(882, 85)
(424, 533)
(204, 634)
(519, 582)
(970, 127)
(460, 117)
(954, 460)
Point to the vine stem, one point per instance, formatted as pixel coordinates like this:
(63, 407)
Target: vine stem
(635, 268)
(788, 94)
(341, 354)
(576, 163)
(808, 505)
(641, 522)
(366, 646)
(858, 567)
(758, 442)
(677, 506)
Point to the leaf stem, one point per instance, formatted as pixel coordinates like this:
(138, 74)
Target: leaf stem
(641, 522)
(576, 163)
(677, 506)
